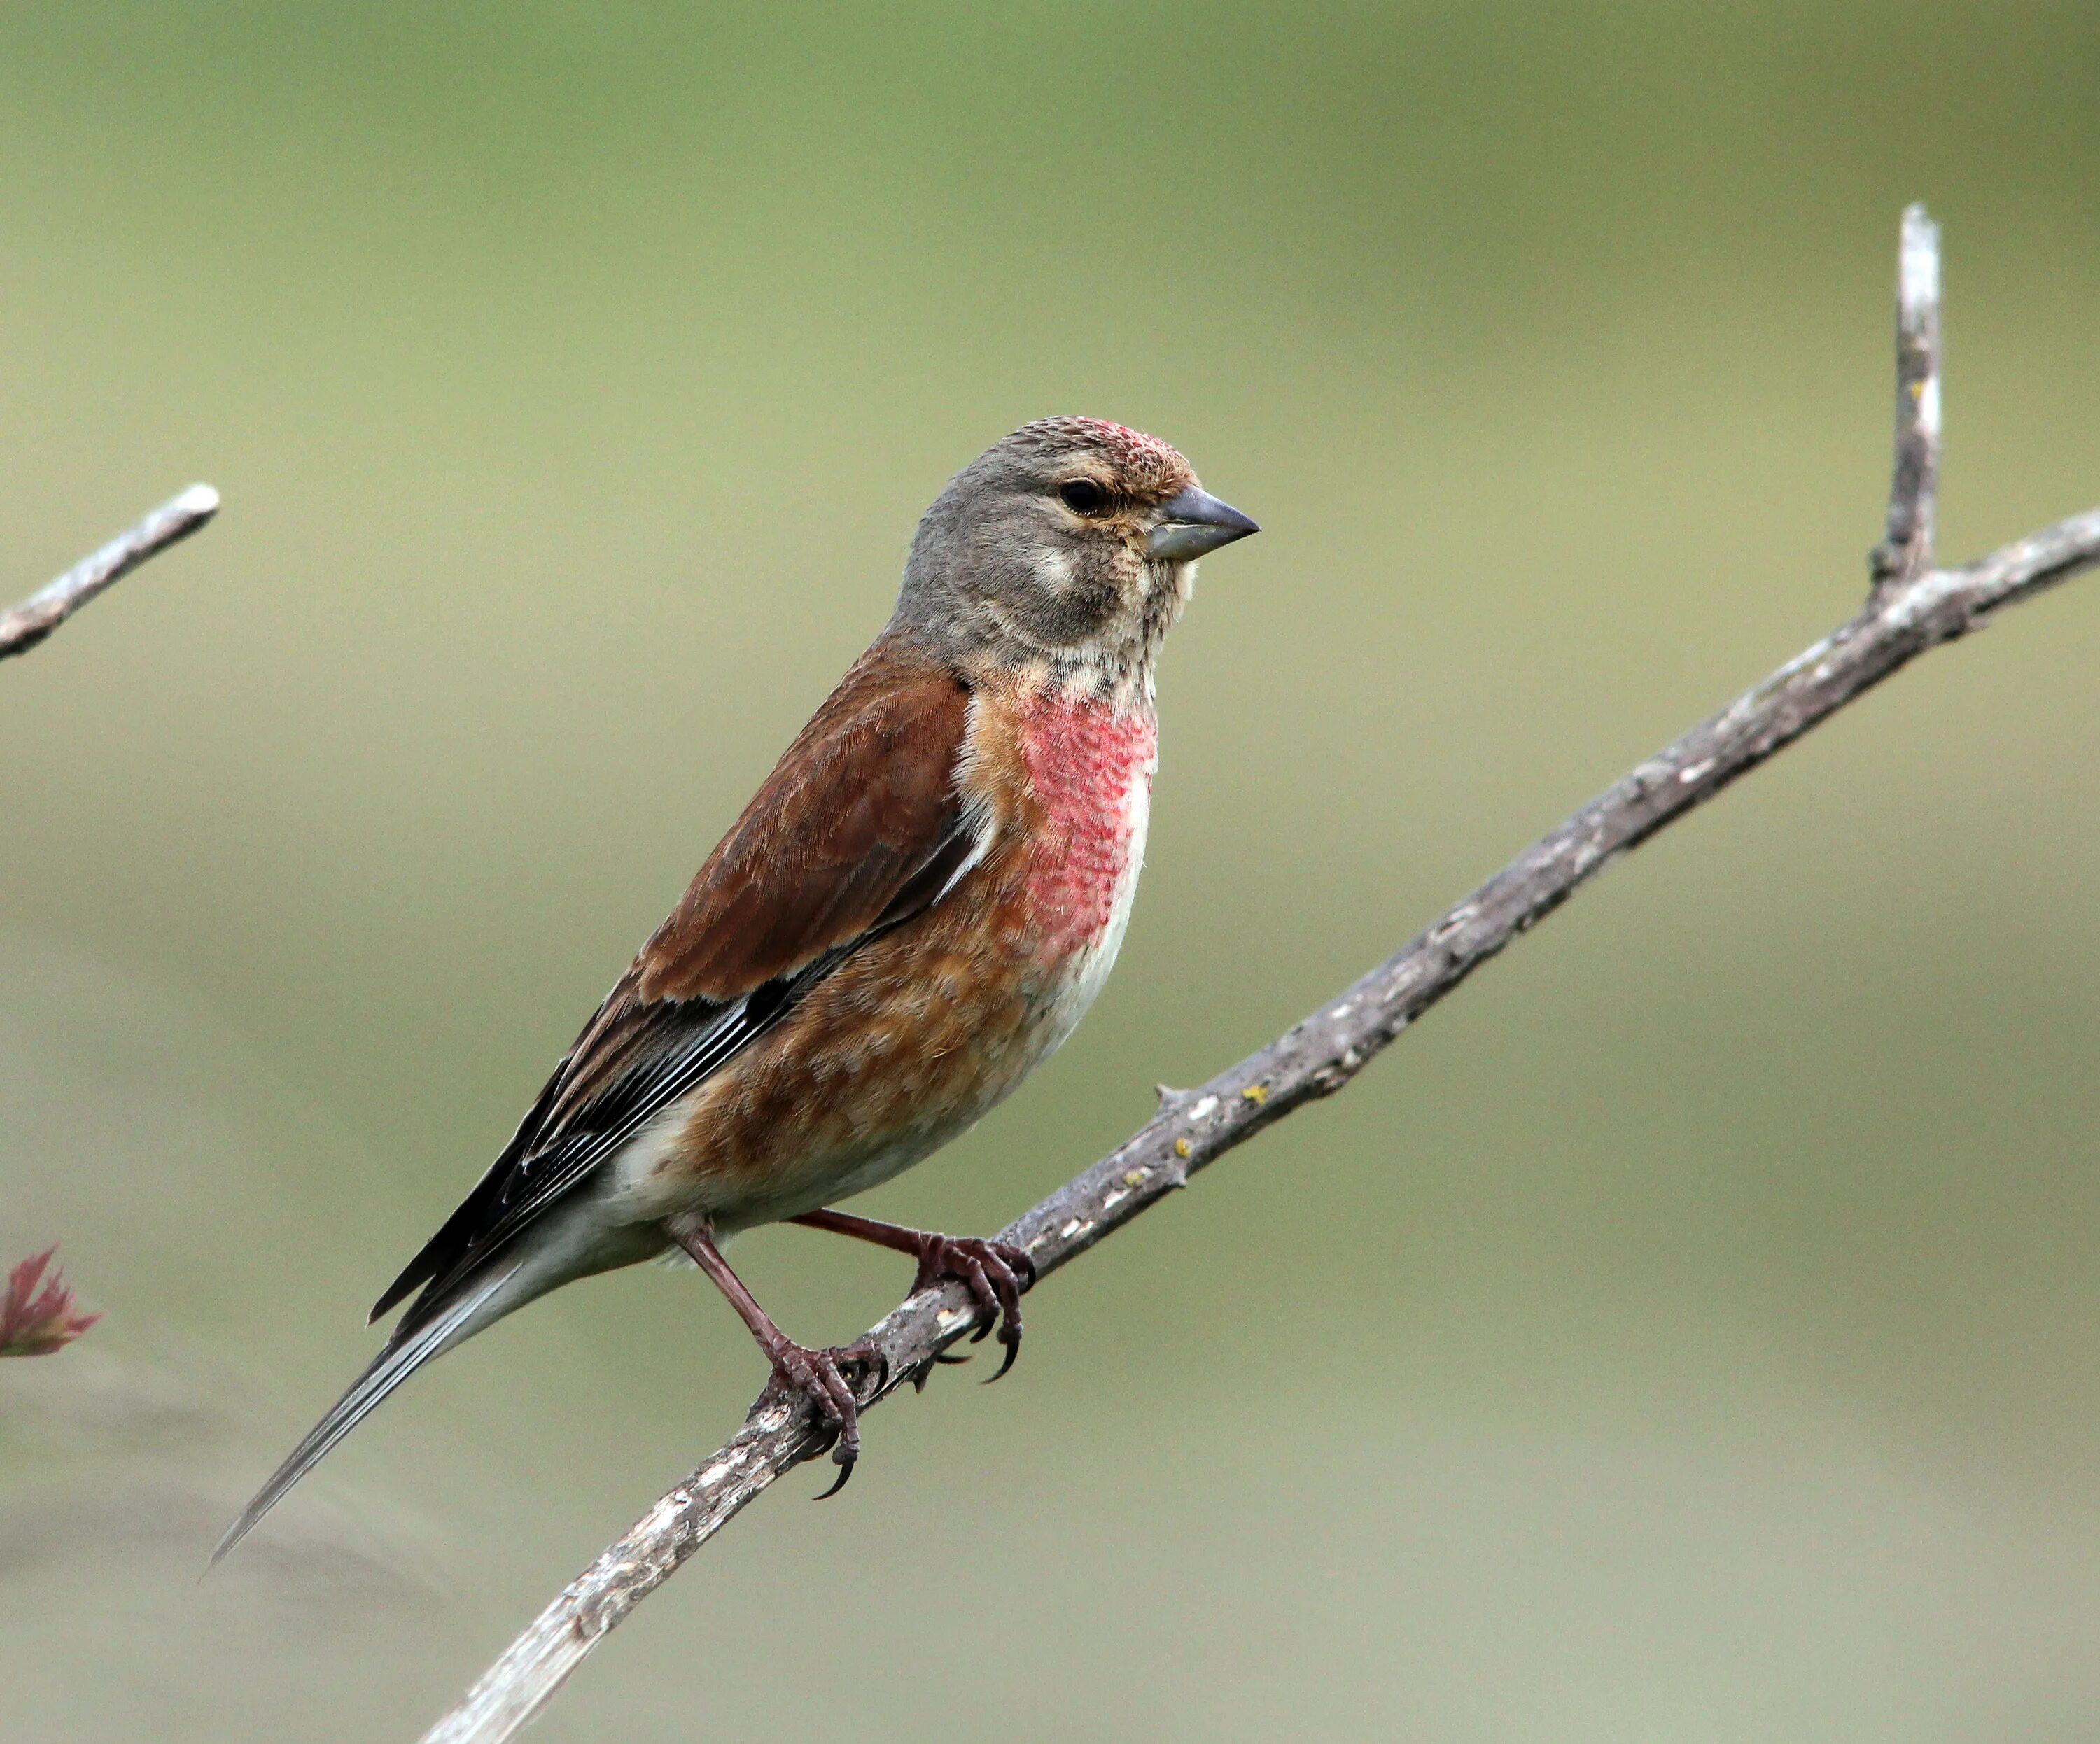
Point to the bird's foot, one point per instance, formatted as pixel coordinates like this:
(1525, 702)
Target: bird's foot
(995, 1273)
(830, 1382)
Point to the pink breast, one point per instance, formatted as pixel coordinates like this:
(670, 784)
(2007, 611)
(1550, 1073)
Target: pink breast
(1092, 771)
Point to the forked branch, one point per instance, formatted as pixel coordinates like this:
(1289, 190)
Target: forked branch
(1913, 608)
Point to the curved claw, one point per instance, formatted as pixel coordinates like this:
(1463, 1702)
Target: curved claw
(1007, 1282)
(972, 1270)
(845, 1471)
(821, 1378)
(995, 1273)
(1013, 1351)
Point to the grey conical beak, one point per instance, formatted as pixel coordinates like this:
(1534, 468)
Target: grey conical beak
(1194, 522)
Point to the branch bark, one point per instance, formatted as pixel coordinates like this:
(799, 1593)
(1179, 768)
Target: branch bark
(1913, 608)
(1905, 551)
(29, 623)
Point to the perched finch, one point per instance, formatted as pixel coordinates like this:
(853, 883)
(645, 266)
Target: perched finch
(920, 903)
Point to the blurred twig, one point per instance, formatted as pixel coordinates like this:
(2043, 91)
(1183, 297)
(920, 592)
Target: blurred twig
(38, 1313)
(1905, 551)
(1913, 608)
(29, 623)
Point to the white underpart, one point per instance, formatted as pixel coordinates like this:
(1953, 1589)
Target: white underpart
(645, 1153)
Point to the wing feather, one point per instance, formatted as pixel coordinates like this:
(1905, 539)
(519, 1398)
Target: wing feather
(860, 828)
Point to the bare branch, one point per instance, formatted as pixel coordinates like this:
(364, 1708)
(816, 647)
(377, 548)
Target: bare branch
(1911, 610)
(1905, 551)
(29, 623)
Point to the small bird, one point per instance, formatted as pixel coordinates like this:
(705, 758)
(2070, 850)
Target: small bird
(918, 906)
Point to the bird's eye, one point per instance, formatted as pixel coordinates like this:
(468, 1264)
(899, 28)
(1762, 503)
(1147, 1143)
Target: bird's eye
(1083, 496)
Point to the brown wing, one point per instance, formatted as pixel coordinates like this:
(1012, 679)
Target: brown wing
(858, 829)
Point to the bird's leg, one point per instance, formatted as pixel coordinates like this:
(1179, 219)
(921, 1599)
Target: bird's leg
(995, 1272)
(820, 1377)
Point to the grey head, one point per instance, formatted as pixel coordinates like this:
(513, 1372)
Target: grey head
(1069, 546)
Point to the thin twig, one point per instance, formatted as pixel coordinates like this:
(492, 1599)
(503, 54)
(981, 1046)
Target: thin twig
(1905, 551)
(29, 623)
(1316, 1058)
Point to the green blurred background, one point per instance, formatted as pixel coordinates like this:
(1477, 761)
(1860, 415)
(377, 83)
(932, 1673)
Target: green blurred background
(1693, 1332)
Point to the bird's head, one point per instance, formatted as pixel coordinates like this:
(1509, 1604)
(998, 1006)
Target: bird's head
(1070, 545)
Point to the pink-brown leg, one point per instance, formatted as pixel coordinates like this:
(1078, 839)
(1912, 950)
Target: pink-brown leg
(995, 1272)
(819, 1376)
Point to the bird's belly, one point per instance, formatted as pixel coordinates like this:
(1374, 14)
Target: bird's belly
(897, 1051)
(912, 1041)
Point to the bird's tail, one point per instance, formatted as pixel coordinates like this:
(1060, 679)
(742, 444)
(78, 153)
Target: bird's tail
(413, 1343)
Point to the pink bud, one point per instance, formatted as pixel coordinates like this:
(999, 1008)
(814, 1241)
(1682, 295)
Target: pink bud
(33, 1321)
